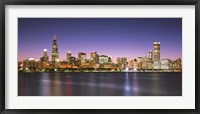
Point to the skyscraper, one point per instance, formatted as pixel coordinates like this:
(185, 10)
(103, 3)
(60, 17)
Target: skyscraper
(109, 59)
(94, 57)
(82, 56)
(124, 60)
(103, 59)
(150, 55)
(119, 61)
(55, 54)
(69, 54)
(45, 60)
(156, 54)
(30, 63)
(45, 56)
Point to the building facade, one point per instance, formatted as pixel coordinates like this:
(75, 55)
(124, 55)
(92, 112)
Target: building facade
(165, 64)
(82, 57)
(45, 60)
(150, 55)
(31, 64)
(55, 54)
(94, 57)
(68, 55)
(156, 55)
(103, 59)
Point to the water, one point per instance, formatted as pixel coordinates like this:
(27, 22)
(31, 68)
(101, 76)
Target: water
(100, 84)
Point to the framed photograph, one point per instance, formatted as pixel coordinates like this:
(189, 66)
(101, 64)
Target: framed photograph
(136, 56)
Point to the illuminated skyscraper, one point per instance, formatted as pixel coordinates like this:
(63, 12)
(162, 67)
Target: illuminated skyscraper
(55, 54)
(94, 57)
(156, 54)
(69, 54)
(45, 56)
(109, 59)
(82, 57)
(165, 64)
(139, 62)
(119, 61)
(45, 60)
(72, 60)
(103, 59)
(150, 55)
(124, 60)
(30, 64)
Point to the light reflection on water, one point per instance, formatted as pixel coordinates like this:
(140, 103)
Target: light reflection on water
(45, 84)
(127, 86)
(69, 90)
(100, 84)
(57, 88)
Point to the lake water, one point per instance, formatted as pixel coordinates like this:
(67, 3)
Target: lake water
(100, 84)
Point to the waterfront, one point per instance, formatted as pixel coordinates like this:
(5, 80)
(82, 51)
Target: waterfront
(100, 84)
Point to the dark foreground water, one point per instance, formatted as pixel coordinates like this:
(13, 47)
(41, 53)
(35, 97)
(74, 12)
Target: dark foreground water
(100, 84)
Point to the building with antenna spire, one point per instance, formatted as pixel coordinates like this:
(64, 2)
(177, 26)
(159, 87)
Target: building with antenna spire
(55, 53)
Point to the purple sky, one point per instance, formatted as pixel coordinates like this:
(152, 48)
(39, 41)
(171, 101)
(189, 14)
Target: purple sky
(116, 37)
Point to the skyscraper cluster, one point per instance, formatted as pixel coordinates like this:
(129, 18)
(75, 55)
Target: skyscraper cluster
(151, 62)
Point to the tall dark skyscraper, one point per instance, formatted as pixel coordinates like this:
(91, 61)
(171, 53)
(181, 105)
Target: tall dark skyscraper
(68, 55)
(150, 55)
(156, 54)
(55, 54)
(45, 56)
(45, 60)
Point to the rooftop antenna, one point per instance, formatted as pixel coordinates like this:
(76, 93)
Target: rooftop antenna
(54, 37)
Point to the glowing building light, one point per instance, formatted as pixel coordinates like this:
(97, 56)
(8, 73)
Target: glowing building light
(127, 69)
(31, 59)
(57, 60)
(156, 42)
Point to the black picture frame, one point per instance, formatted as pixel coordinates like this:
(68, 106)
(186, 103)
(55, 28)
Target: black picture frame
(99, 2)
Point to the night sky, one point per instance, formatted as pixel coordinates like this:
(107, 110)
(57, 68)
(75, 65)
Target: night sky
(116, 37)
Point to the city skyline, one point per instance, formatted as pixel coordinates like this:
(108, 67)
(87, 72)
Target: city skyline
(127, 45)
